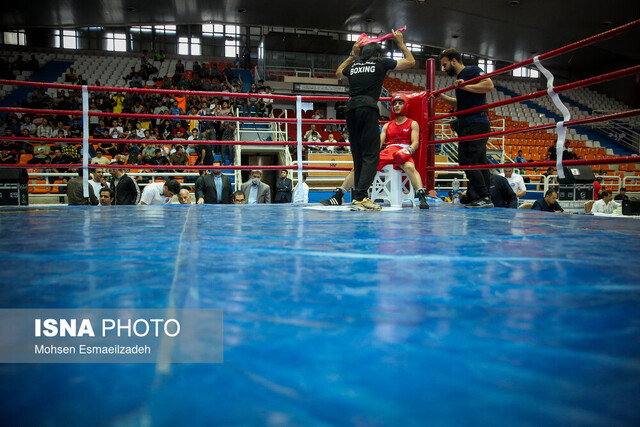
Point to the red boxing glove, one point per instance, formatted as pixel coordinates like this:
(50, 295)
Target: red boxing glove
(400, 157)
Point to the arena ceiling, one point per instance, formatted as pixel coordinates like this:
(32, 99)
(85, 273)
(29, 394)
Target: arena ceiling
(509, 30)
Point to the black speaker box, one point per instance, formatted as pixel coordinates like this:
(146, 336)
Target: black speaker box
(14, 176)
(631, 207)
(577, 175)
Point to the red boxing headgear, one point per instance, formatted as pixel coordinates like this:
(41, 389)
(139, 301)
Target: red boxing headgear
(400, 97)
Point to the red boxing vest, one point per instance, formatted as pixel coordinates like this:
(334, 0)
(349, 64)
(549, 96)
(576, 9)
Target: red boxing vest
(398, 134)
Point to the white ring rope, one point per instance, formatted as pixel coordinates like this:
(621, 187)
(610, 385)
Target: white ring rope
(561, 130)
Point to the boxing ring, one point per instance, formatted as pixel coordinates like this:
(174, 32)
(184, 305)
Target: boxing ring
(406, 317)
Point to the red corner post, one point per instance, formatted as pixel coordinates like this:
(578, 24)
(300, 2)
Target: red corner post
(429, 179)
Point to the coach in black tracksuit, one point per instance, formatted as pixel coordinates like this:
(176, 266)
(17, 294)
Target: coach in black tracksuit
(366, 74)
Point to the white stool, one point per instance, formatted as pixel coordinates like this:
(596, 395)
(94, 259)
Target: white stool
(391, 187)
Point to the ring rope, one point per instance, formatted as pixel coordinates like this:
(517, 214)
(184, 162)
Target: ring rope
(553, 53)
(561, 130)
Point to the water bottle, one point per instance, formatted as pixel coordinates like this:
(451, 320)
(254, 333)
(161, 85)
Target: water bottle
(455, 194)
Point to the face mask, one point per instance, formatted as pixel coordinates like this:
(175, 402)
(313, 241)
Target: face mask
(255, 181)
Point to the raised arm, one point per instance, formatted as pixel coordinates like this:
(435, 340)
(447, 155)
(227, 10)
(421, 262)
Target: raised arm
(408, 61)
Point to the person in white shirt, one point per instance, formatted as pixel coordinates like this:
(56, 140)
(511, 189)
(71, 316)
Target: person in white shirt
(515, 181)
(301, 191)
(160, 193)
(96, 182)
(184, 198)
(331, 148)
(605, 205)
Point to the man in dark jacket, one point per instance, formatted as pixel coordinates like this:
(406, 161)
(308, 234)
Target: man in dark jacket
(213, 188)
(284, 186)
(125, 189)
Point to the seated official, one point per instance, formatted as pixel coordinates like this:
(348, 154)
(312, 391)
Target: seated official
(549, 203)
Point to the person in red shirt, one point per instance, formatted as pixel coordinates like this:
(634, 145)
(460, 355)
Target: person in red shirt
(597, 188)
(399, 139)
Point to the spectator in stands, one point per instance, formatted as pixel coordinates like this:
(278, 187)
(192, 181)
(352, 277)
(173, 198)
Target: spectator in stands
(5, 70)
(301, 191)
(99, 131)
(551, 152)
(159, 159)
(196, 68)
(549, 203)
(75, 131)
(227, 72)
(30, 127)
(118, 102)
(214, 71)
(139, 131)
(70, 151)
(214, 188)
(239, 198)
(160, 56)
(568, 153)
(75, 191)
(124, 188)
(179, 67)
(284, 186)
(106, 197)
(331, 148)
(520, 158)
(33, 64)
(8, 156)
(94, 121)
(100, 159)
(40, 151)
(159, 108)
(60, 128)
(255, 190)
(136, 81)
(45, 130)
(597, 188)
(179, 157)
(71, 76)
(228, 134)
(205, 151)
(246, 57)
(115, 132)
(165, 130)
(622, 196)
(176, 110)
(224, 109)
(24, 145)
(14, 127)
(267, 103)
(179, 136)
(160, 193)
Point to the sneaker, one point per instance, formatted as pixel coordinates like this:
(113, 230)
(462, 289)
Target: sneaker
(364, 205)
(422, 199)
(485, 202)
(335, 200)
